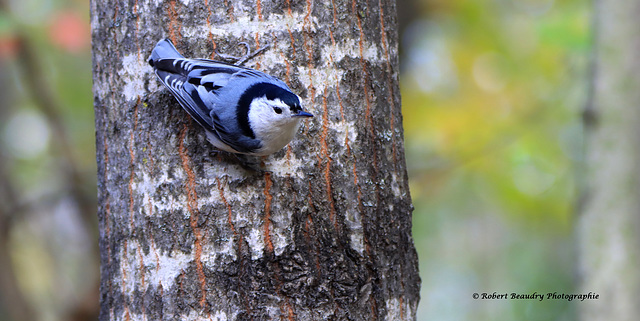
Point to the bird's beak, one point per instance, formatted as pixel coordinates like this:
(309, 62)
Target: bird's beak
(302, 114)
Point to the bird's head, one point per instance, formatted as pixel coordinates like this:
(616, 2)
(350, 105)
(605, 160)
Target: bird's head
(274, 115)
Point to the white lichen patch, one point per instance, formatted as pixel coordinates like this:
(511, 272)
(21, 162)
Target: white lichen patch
(255, 240)
(281, 240)
(245, 25)
(213, 197)
(286, 166)
(395, 186)
(95, 24)
(147, 186)
(320, 79)
(350, 48)
(135, 70)
(219, 316)
(129, 316)
(200, 315)
(232, 172)
(273, 57)
(244, 195)
(394, 310)
(129, 262)
(281, 232)
(353, 221)
(193, 315)
(168, 267)
(152, 268)
(214, 252)
(356, 239)
(344, 130)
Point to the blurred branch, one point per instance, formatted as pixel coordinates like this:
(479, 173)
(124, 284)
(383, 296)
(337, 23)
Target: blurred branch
(41, 92)
(42, 95)
(589, 116)
(12, 299)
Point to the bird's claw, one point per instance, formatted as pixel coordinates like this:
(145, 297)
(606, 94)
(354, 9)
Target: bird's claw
(252, 163)
(239, 61)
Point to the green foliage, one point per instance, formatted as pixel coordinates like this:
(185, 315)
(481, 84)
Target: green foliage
(491, 103)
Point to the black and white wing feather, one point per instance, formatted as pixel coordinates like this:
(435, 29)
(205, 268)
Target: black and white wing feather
(209, 91)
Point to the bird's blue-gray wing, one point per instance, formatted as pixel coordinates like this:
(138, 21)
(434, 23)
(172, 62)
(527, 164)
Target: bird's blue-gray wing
(176, 80)
(197, 84)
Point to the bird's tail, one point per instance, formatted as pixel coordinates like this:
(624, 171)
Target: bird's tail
(163, 50)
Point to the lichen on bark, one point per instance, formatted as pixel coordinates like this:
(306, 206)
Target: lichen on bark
(186, 234)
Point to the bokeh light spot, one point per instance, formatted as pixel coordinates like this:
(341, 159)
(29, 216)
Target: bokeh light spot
(486, 72)
(26, 135)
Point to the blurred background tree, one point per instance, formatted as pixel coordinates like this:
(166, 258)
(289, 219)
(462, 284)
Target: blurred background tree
(608, 225)
(493, 92)
(492, 96)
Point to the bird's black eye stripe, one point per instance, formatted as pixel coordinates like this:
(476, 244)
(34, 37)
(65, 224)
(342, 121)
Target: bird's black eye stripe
(278, 110)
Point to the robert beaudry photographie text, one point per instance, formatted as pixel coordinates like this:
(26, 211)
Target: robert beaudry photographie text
(536, 296)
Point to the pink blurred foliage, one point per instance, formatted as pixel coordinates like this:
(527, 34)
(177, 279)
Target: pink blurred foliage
(8, 46)
(70, 31)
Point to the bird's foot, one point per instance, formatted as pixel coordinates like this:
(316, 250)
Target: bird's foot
(253, 163)
(239, 61)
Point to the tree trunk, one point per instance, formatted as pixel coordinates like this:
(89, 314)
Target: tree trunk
(185, 234)
(609, 222)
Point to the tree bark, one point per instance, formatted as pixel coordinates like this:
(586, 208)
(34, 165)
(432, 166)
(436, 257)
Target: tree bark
(609, 221)
(188, 235)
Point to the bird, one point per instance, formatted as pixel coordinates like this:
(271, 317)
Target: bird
(243, 111)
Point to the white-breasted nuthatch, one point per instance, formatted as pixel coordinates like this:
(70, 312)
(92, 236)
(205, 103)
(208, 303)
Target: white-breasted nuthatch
(243, 110)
